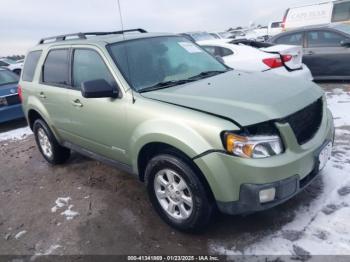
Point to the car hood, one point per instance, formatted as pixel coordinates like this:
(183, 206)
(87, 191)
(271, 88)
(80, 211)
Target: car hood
(9, 89)
(246, 98)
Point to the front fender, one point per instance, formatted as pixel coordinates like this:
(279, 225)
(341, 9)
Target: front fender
(180, 136)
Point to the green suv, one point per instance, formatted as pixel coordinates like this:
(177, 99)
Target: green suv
(199, 134)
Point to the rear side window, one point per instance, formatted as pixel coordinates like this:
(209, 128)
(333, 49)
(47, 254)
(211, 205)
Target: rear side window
(324, 39)
(341, 12)
(88, 65)
(276, 25)
(56, 67)
(291, 39)
(30, 65)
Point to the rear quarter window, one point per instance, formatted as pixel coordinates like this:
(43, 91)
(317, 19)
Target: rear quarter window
(30, 65)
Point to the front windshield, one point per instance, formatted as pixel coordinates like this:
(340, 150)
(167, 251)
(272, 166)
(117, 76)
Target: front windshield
(150, 61)
(7, 77)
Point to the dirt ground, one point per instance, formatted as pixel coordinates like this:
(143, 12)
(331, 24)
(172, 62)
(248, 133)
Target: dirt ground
(105, 211)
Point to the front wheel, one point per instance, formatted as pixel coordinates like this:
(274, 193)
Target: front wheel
(177, 193)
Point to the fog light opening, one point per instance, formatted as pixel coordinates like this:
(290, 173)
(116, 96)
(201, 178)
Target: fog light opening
(267, 195)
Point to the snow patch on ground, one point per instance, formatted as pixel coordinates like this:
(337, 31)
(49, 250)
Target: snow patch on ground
(63, 202)
(17, 134)
(20, 234)
(323, 227)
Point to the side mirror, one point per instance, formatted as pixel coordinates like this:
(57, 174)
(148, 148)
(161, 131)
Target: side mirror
(220, 59)
(98, 88)
(345, 43)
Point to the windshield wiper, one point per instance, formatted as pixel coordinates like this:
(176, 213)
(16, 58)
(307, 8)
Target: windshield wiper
(207, 74)
(165, 84)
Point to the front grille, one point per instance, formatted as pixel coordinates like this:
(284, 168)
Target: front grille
(306, 122)
(13, 100)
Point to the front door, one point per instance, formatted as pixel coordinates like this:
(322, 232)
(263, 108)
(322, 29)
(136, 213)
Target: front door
(325, 56)
(97, 124)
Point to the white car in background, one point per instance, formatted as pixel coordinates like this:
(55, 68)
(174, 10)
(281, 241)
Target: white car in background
(12, 65)
(222, 35)
(284, 60)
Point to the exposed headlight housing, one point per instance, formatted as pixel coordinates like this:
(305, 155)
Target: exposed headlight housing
(253, 146)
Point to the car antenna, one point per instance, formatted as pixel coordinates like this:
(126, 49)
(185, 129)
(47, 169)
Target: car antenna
(126, 50)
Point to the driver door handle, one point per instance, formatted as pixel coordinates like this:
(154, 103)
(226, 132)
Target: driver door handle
(77, 103)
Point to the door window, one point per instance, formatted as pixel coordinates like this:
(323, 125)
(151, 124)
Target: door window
(291, 39)
(56, 70)
(324, 39)
(88, 65)
(341, 12)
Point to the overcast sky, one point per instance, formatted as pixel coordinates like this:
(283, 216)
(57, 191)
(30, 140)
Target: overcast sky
(24, 22)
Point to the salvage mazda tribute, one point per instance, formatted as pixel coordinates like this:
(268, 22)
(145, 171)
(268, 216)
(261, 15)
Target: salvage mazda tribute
(199, 134)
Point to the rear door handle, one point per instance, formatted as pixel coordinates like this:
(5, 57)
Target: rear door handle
(42, 95)
(77, 103)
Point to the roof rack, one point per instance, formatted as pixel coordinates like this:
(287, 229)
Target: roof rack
(60, 38)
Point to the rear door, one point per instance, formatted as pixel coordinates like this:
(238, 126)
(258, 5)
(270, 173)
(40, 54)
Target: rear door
(54, 83)
(325, 56)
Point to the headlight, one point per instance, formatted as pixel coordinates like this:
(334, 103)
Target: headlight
(253, 146)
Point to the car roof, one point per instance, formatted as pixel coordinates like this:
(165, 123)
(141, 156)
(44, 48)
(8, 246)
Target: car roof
(311, 27)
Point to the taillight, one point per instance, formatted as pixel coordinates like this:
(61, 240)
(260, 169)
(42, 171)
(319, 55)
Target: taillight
(273, 62)
(277, 62)
(19, 91)
(286, 58)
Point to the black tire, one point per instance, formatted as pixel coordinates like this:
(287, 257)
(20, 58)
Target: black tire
(202, 204)
(59, 154)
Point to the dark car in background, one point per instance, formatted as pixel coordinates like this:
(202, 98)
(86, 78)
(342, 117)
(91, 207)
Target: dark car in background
(10, 103)
(326, 49)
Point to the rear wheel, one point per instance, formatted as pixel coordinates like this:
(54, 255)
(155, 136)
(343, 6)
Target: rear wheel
(177, 194)
(51, 150)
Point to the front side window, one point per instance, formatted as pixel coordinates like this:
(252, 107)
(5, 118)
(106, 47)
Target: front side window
(324, 39)
(88, 65)
(148, 62)
(56, 67)
(291, 39)
(7, 77)
(30, 65)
